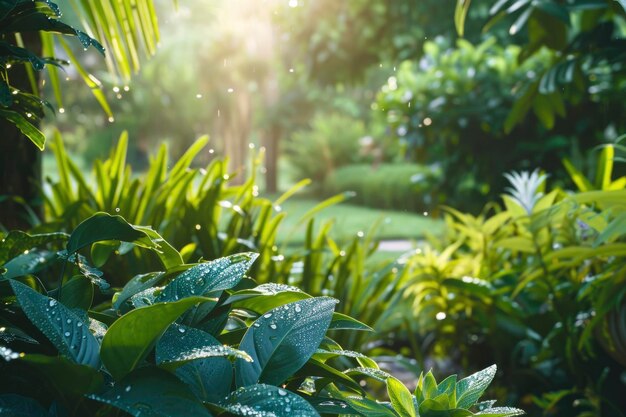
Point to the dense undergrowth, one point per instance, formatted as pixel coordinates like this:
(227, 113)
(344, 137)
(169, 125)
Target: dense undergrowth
(192, 340)
(534, 284)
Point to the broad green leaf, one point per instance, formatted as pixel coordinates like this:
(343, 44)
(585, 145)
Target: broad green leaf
(469, 390)
(263, 400)
(210, 378)
(67, 332)
(131, 338)
(16, 242)
(77, 293)
(401, 398)
(152, 392)
(30, 262)
(13, 405)
(517, 244)
(448, 387)
(181, 344)
(65, 376)
(457, 412)
(266, 297)
(137, 284)
(282, 340)
(102, 226)
(218, 275)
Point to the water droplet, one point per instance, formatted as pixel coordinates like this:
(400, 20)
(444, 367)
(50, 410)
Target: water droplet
(282, 392)
(69, 321)
(67, 334)
(181, 329)
(273, 326)
(267, 315)
(298, 308)
(79, 324)
(127, 389)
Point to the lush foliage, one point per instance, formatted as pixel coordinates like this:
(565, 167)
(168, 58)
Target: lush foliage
(585, 41)
(538, 284)
(196, 339)
(453, 107)
(204, 217)
(22, 108)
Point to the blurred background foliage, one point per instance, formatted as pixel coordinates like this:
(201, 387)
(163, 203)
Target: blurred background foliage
(381, 104)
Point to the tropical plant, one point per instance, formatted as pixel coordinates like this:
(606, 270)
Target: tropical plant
(204, 217)
(194, 340)
(585, 41)
(538, 284)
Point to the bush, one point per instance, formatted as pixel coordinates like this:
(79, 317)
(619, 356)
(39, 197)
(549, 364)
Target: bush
(196, 340)
(402, 186)
(453, 107)
(537, 283)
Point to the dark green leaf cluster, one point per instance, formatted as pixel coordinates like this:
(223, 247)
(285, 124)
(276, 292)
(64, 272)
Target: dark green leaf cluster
(195, 340)
(25, 16)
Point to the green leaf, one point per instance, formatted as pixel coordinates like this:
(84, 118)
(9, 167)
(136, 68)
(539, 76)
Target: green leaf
(152, 392)
(66, 377)
(370, 408)
(131, 338)
(209, 377)
(26, 127)
(343, 322)
(460, 13)
(615, 229)
(218, 275)
(102, 226)
(13, 405)
(282, 340)
(77, 293)
(262, 400)
(266, 297)
(137, 284)
(401, 398)
(181, 344)
(470, 389)
(16, 242)
(67, 332)
(27, 264)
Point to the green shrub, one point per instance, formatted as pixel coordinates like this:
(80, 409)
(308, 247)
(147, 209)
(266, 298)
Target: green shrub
(453, 107)
(205, 218)
(537, 284)
(401, 186)
(194, 340)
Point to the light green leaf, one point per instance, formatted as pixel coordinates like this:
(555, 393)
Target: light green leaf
(131, 338)
(401, 398)
(469, 390)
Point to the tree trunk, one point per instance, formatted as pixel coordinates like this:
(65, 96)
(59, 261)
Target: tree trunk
(20, 160)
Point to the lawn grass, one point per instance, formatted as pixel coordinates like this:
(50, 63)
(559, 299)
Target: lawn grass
(350, 219)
